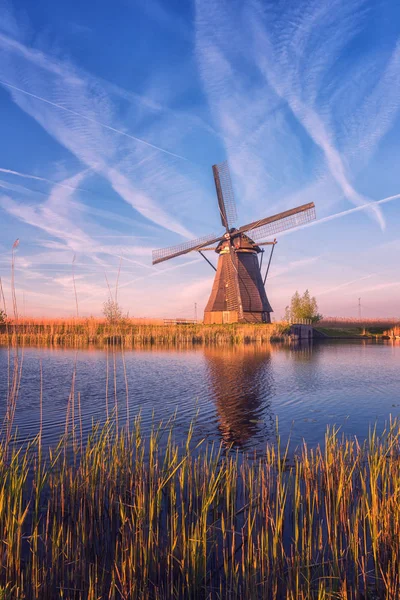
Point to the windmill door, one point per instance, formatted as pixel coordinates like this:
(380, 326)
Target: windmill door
(226, 316)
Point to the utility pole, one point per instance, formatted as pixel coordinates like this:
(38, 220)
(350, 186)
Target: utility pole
(359, 309)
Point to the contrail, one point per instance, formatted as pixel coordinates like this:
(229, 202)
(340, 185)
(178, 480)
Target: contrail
(342, 214)
(37, 178)
(357, 208)
(10, 172)
(132, 137)
(342, 285)
(154, 274)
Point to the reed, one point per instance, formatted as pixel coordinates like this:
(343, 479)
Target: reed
(394, 332)
(126, 517)
(130, 334)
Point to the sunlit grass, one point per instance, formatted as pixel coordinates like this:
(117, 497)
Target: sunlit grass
(394, 332)
(83, 332)
(120, 516)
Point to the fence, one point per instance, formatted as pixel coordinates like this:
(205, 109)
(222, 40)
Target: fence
(180, 321)
(300, 322)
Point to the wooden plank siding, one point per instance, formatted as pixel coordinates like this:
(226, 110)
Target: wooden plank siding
(256, 307)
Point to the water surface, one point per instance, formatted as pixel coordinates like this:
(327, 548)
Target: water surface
(235, 393)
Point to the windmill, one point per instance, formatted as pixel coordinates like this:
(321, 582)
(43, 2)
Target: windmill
(238, 293)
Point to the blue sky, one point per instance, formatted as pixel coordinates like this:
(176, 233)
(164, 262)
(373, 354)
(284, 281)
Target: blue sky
(112, 115)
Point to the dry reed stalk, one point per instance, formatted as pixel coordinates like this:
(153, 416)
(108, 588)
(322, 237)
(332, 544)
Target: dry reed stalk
(14, 373)
(13, 294)
(98, 332)
(126, 388)
(132, 518)
(73, 280)
(115, 385)
(107, 377)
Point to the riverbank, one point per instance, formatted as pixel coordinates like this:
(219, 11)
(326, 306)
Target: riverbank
(346, 328)
(114, 516)
(352, 333)
(128, 333)
(97, 332)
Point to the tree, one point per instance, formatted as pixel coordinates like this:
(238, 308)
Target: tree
(112, 311)
(303, 307)
(3, 317)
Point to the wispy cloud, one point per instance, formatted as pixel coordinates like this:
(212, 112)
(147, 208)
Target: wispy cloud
(380, 286)
(289, 70)
(78, 206)
(154, 273)
(291, 266)
(295, 76)
(76, 110)
(85, 117)
(335, 288)
(343, 213)
(57, 217)
(38, 178)
(15, 187)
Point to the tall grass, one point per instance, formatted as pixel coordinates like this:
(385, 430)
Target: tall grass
(83, 332)
(128, 518)
(394, 332)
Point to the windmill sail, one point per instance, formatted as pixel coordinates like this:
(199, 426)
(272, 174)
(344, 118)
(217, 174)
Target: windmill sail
(226, 198)
(166, 253)
(280, 222)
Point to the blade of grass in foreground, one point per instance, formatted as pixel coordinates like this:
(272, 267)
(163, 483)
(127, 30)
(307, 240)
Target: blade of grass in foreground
(118, 516)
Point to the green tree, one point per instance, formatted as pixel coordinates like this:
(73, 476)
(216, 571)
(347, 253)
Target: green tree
(303, 307)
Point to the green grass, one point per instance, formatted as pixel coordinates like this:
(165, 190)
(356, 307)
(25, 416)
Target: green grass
(348, 332)
(129, 518)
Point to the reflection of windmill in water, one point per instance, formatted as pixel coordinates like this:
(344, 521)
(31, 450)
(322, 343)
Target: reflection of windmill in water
(242, 385)
(238, 292)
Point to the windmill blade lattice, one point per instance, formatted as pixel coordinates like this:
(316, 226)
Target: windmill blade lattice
(225, 195)
(280, 222)
(166, 253)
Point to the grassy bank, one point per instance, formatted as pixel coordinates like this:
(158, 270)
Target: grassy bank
(356, 328)
(84, 332)
(347, 332)
(130, 334)
(123, 519)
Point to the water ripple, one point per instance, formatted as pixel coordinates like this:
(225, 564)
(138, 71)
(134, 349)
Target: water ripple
(234, 393)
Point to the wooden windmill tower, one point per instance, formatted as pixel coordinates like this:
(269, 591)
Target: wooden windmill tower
(238, 293)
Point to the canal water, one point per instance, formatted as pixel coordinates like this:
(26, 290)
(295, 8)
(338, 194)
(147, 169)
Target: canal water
(235, 394)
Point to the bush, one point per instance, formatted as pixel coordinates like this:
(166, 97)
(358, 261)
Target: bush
(303, 307)
(112, 311)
